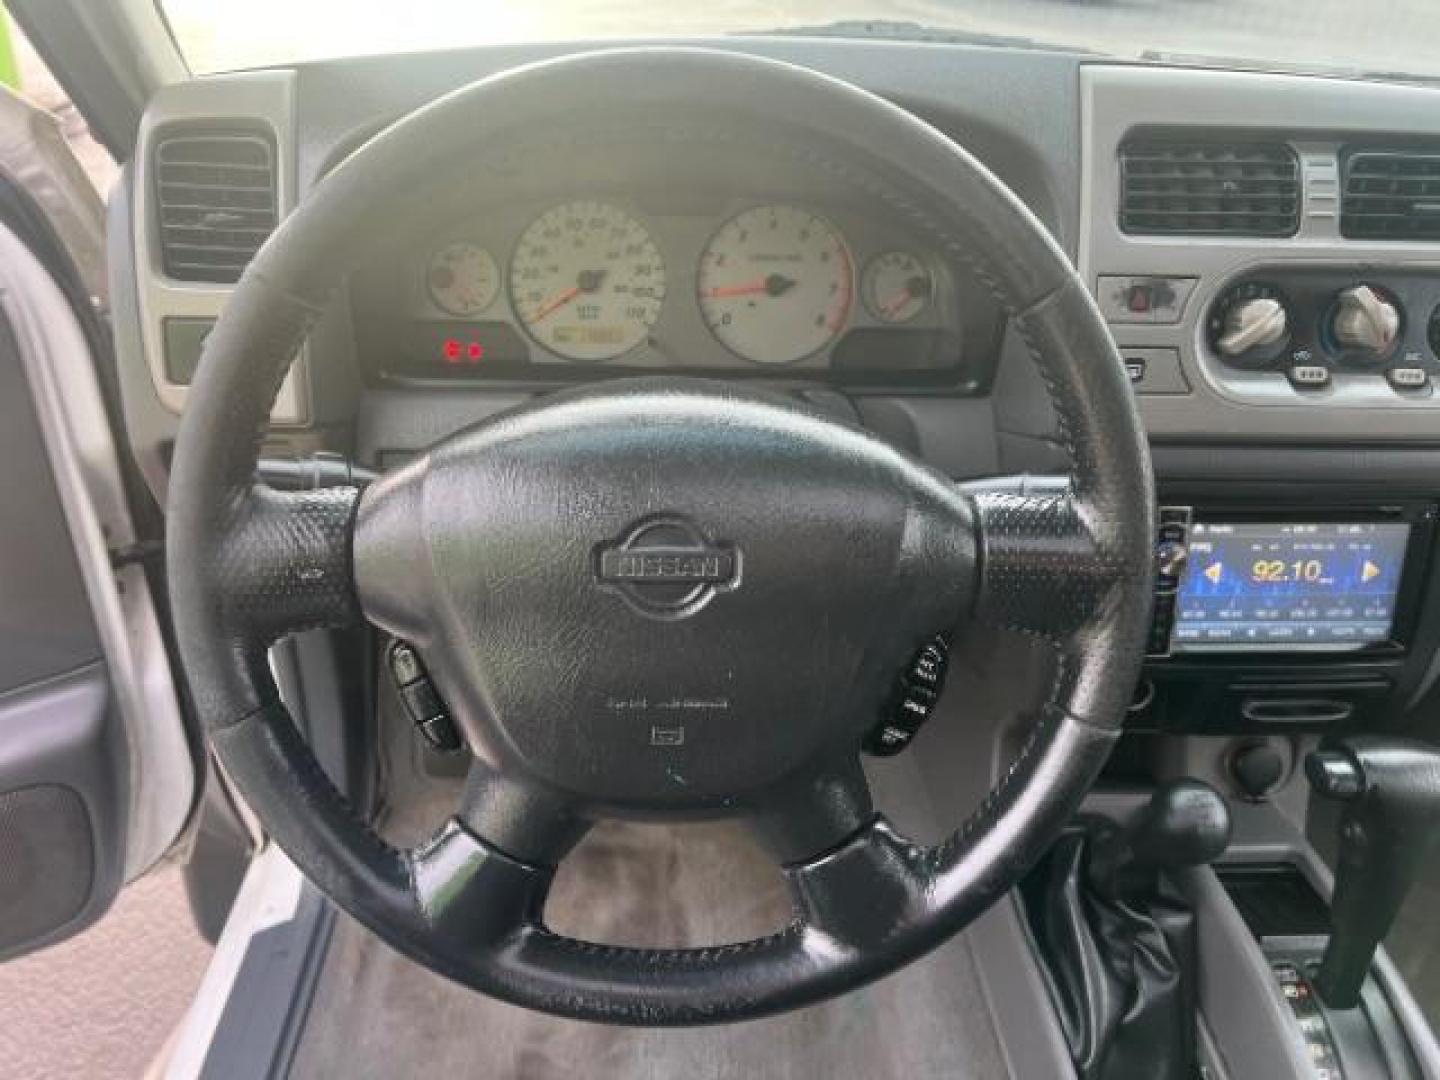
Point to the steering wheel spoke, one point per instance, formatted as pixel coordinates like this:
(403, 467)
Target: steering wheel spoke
(1043, 569)
(287, 566)
(1057, 566)
(866, 891)
(807, 817)
(472, 895)
(517, 818)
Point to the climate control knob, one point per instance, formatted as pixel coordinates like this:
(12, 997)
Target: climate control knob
(1365, 324)
(1250, 325)
(1253, 324)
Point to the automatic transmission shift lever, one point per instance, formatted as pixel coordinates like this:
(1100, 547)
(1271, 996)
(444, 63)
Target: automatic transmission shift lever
(1391, 821)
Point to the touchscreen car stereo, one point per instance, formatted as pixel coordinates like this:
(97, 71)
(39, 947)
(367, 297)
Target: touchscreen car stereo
(1309, 586)
(1245, 580)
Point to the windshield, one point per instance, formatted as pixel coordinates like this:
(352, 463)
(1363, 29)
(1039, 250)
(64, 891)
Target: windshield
(1388, 36)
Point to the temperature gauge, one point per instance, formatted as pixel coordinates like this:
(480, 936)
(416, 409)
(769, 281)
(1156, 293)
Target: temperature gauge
(896, 287)
(463, 278)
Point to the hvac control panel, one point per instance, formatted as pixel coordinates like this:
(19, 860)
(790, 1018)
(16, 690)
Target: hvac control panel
(1329, 332)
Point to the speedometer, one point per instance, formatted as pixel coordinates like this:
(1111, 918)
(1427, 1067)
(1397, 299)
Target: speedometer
(587, 281)
(776, 284)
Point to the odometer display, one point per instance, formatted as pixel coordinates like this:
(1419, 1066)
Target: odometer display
(776, 284)
(587, 281)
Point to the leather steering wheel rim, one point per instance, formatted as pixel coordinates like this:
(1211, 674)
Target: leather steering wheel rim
(248, 565)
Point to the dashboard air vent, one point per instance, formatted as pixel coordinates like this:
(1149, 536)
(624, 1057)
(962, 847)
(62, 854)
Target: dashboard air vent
(1209, 188)
(1390, 195)
(216, 202)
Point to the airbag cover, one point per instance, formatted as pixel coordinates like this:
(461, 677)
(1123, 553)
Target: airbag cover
(663, 594)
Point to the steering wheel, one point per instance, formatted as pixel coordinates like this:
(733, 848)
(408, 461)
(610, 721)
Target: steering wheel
(661, 599)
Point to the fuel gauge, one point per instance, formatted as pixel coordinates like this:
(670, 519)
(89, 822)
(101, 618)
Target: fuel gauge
(896, 286)
(463, 278)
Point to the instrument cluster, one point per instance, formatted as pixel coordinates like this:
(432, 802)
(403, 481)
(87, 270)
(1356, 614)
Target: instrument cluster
(600, 283)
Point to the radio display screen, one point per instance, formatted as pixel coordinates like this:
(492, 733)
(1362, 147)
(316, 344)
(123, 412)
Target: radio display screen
(1298, 587)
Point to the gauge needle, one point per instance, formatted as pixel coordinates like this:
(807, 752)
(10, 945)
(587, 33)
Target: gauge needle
(774, 285)
(559, 302)
(588, 281)
(917, 288)
(896, 302)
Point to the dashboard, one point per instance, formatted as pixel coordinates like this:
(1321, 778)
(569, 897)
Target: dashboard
(1262, 246)
(765, 268)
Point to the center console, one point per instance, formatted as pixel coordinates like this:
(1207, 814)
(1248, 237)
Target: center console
(1292, 926)
(1325, 958)
(1265, 913)
(1289, 619)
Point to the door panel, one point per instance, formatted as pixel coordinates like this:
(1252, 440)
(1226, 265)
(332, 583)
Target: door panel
(45, 624)
(61, 817)
(97, 769)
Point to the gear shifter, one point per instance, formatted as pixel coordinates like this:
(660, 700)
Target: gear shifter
(1117, 938)
(1185, 823)
(1390, 824)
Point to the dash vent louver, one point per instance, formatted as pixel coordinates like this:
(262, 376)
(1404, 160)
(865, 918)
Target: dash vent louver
(1390, 195)
(1213, 187)
(216, 202)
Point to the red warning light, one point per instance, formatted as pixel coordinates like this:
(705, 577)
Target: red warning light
(462, 351)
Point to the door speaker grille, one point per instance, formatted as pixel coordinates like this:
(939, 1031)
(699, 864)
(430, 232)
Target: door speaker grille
(46, 861)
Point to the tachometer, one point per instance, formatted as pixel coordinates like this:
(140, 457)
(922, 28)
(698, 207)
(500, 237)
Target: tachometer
(776, 284)
(462, 278)
(587, 281)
